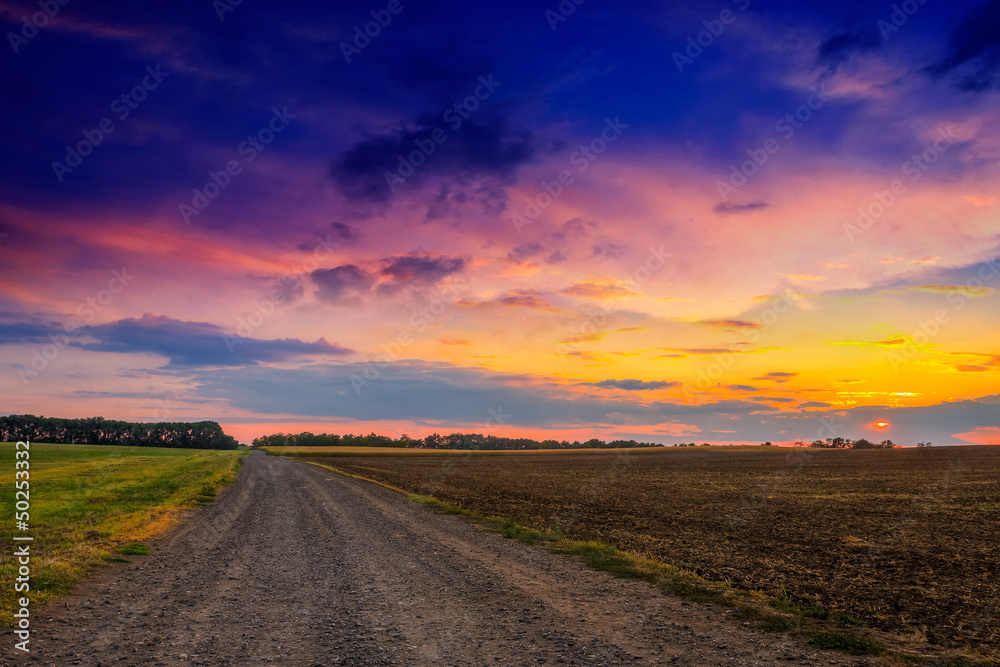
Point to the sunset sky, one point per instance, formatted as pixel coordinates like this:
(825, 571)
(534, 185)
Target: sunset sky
(728, 221)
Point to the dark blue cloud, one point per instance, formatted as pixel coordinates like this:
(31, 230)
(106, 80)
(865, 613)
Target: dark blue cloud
(841, 46)
(558, 86)
(411, 389)
(421, 269)
(634, 385)
(725, 208)
(460, 397)
(199, 343)
(183, 343)
(478, 148)
(349, 282)
(342, 283)
(974, 51)
(26, 332)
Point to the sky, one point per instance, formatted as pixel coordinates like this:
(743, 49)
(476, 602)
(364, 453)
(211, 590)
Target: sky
(730, 221)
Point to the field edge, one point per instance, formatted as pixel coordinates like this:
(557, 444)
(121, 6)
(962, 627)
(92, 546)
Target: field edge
(64, 568)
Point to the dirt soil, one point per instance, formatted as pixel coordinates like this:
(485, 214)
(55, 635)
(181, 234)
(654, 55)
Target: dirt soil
(904, 539)
(298, 565)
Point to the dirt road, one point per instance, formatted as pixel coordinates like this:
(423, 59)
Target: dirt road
(297, 565)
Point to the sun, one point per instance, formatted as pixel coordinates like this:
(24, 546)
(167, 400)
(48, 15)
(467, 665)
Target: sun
(882, 424)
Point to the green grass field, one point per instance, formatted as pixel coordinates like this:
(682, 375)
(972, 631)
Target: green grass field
(88, 503)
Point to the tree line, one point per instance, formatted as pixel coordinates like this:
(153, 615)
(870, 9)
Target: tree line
(436, 441)
(100, 431)
(847, 443)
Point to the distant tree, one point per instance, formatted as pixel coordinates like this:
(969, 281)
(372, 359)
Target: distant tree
(100, 431)
(924, 444)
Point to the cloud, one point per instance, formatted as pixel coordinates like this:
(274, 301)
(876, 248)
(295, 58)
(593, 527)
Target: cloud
(607, 250)
(777, 376)
(461, 397)
(197, 343)
(733, 209)
(437, 391)
(424, 270)
(350, 282)
(697, 351)
(591, 290)
(974, 50)
(982, 362)
(344, 231)
(595, 337)
(837, 49)
(634, 385)
(742, 387)
(889, 342)
(27, 332)
(575, 228)
(984, 435)
(730, 324)
(456, 341)
(709, 351)
(526, 251)
(521, 298)
(475, 150)
(814, 404)
(525, 299)
(772, 399)
(968, 291)
(342, 283)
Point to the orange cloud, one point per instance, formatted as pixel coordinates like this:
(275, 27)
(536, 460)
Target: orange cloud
(522, 298)
(598, 291)
(731, 324)
(944, 289)
(584, 338)
(981, 364)
(984, 435)
(891, 342)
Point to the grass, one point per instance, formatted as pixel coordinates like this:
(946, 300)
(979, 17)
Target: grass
(135, 549)
(91, 503)
(115, 559)
(851, 644)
